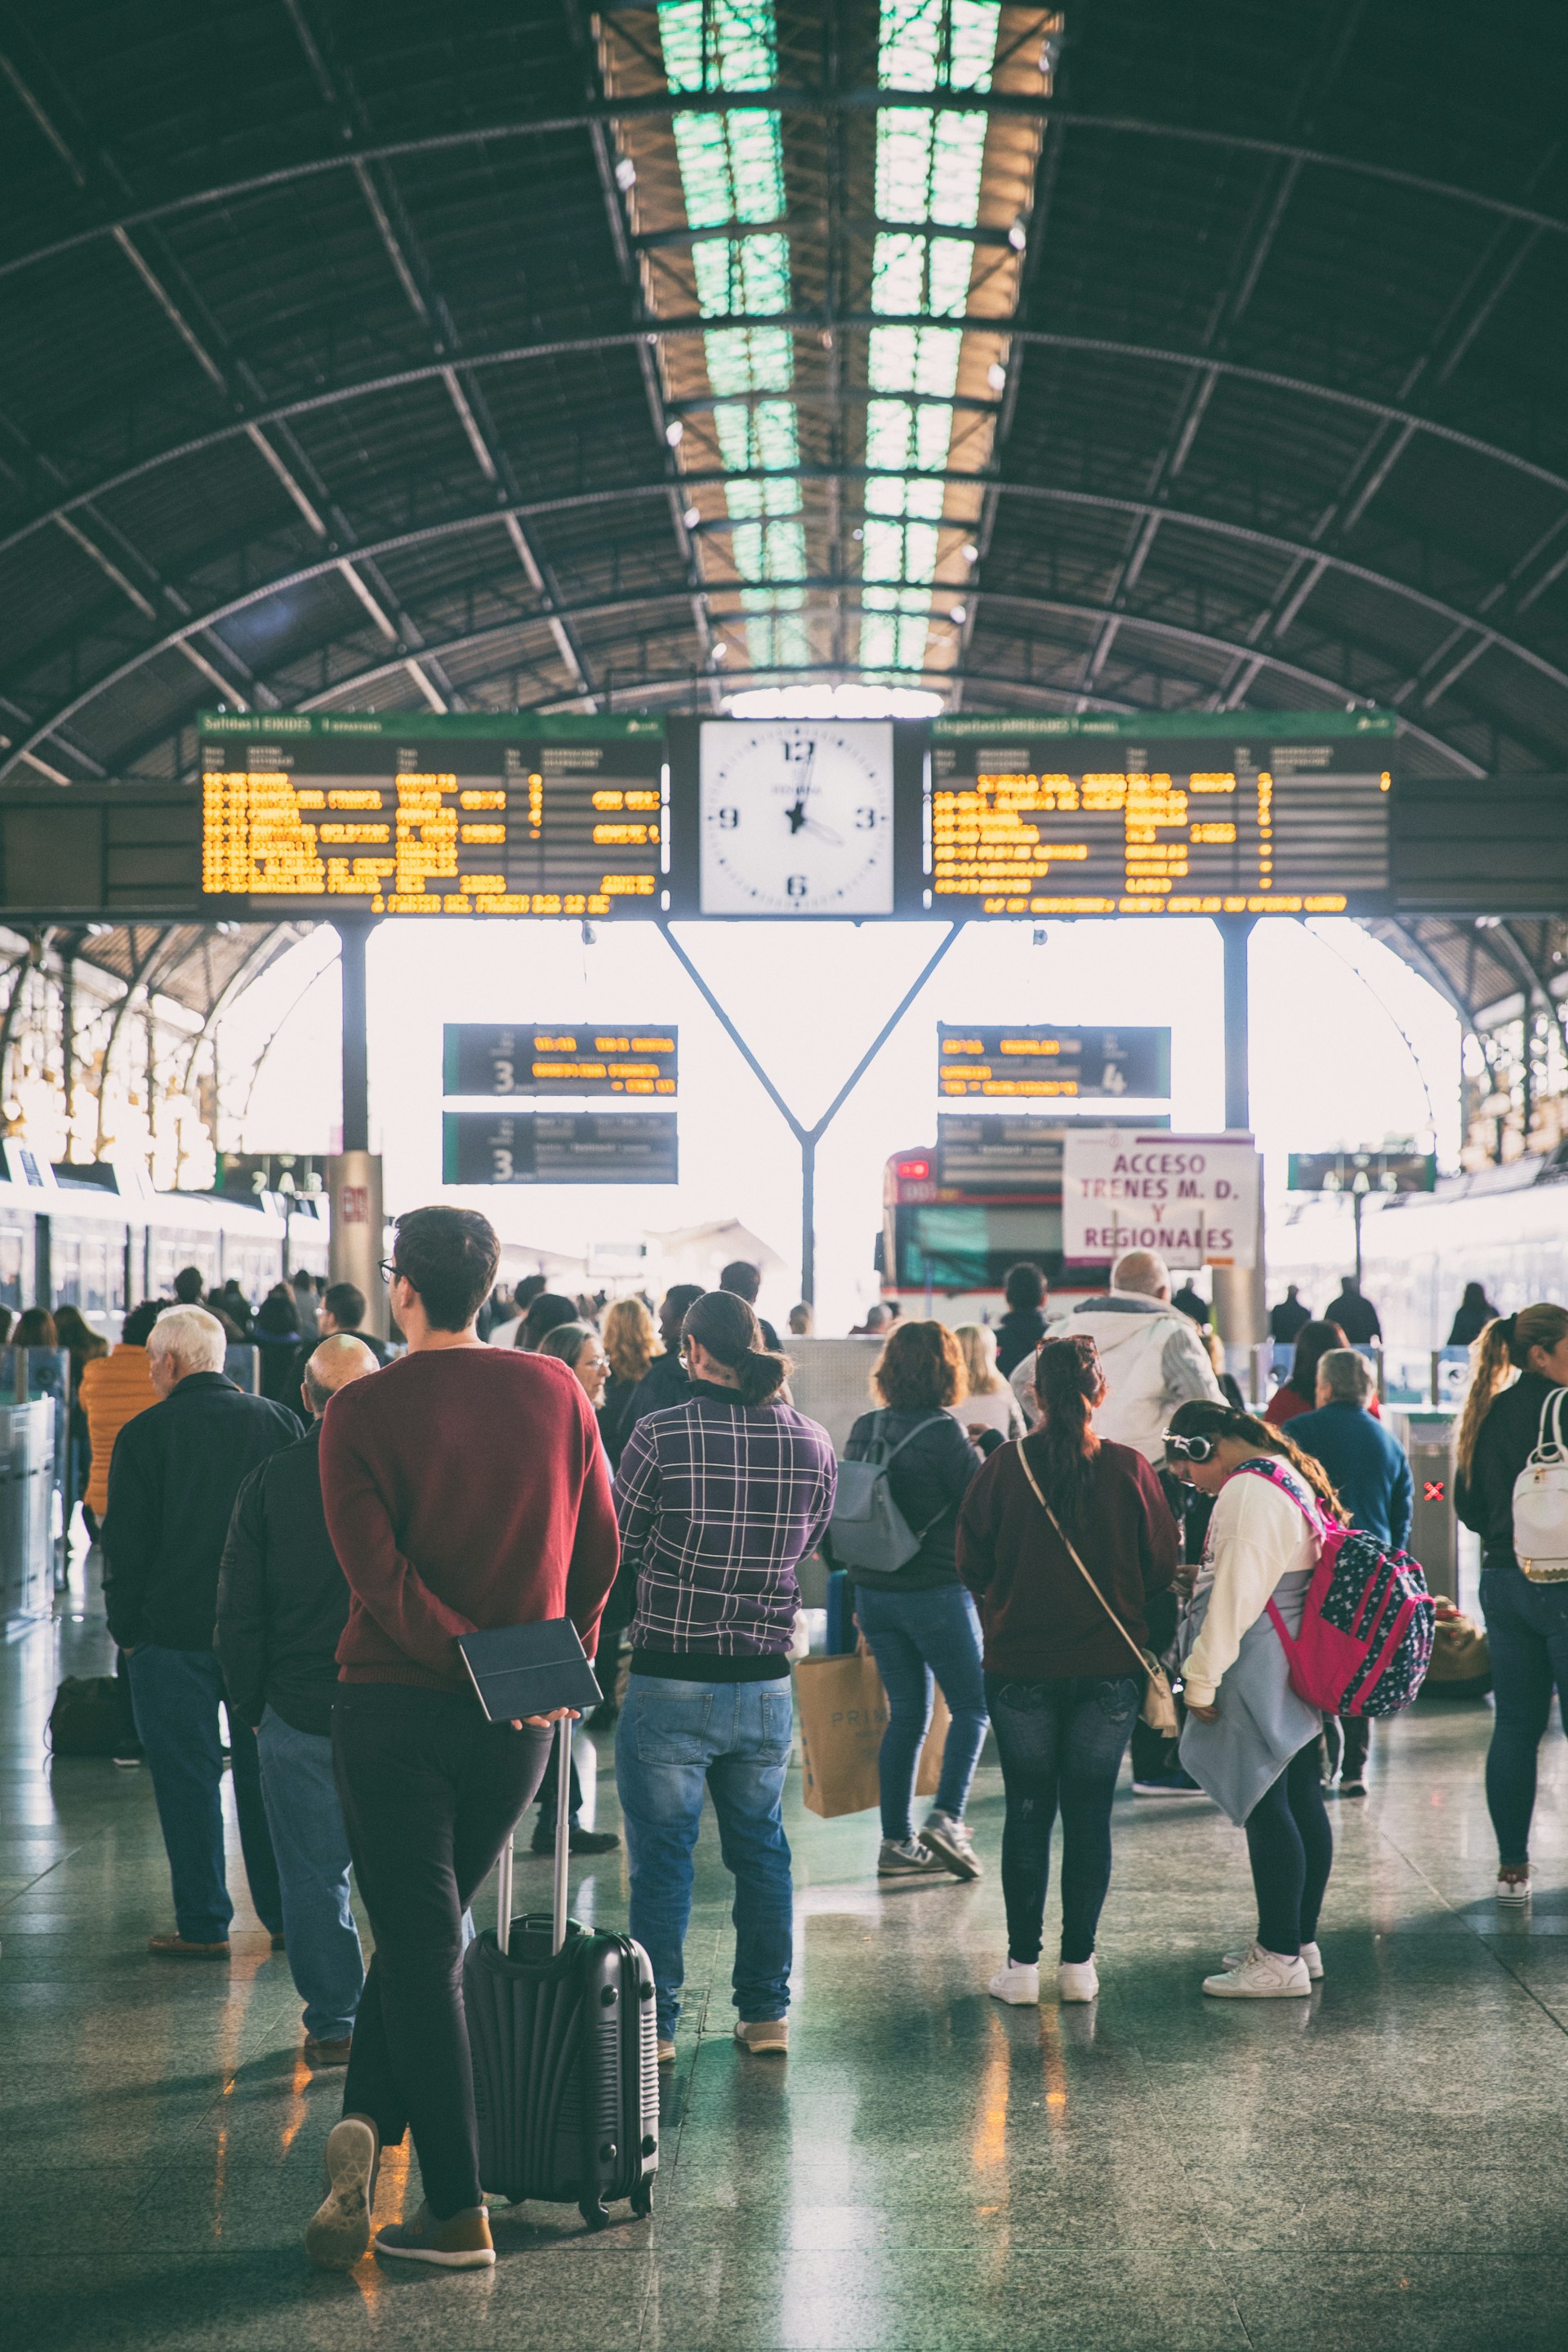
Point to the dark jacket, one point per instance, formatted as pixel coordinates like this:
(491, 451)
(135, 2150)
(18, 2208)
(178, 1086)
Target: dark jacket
(1018, 1334)
(1286, 1319)
(282, 1600)
(378, 1349)
(616, 1415)
(928, 1482)
(664, 1382)
(1367, 1466)
(1507, 1437)
(1040, 1619)
(1357, 1317)
(1470, 1322)
(176, 1470)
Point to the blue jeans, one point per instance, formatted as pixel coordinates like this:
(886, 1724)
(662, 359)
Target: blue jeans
(920, 1640)
(672, 1738)
(1527, 1634)
(313, 1850)
(1061, 1744)
(176, 1695)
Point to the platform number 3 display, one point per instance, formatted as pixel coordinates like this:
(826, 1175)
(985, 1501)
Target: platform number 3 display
(798, 818)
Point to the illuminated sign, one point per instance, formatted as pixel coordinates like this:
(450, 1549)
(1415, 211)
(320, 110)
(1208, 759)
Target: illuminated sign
(404, 814)
(1072, 1064)
(1181, 813)
(620, 1147)
(1362, 1171)
(560, 1057)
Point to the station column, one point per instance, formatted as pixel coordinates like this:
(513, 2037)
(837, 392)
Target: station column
(1239, 1291)
(355, 1173)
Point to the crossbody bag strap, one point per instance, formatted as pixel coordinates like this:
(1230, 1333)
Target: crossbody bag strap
(1071, 1550)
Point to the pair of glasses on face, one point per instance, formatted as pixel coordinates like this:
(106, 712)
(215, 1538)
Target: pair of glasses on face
(1189, 1449)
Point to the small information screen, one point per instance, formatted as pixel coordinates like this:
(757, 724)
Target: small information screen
(1074, 1064)
(586, 1146)
(560, 1057)
(473, 814)
(1176, 814)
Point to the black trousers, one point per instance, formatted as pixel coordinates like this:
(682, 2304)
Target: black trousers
(1291, 1849)
(430, 1793)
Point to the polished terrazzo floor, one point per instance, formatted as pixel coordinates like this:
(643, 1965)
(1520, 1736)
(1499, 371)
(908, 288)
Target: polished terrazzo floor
(1383, 2165)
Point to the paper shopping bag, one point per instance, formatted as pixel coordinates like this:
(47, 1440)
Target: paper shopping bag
(843, 1715)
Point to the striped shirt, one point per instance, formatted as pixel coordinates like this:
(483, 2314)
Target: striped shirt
(717, 1503)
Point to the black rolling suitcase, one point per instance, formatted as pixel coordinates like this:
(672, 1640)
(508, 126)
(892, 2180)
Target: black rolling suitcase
(562, 2026)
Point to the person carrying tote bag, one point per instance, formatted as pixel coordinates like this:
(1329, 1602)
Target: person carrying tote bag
(1062, 1539)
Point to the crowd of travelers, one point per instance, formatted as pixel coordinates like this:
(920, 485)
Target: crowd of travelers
(1086, 1504)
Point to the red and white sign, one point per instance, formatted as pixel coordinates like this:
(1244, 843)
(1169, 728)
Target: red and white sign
(1193, 1198)
(354, 1204)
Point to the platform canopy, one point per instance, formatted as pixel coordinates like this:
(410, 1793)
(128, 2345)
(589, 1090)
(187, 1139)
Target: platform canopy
(519, 356)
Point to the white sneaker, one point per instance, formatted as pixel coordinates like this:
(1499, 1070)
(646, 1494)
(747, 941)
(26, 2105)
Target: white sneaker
(907, 1858)
(1513, 1890)
(1018, 1982)
(1077, 1981)
(1310, 1953)
(950, 1842)
(1261, 1976)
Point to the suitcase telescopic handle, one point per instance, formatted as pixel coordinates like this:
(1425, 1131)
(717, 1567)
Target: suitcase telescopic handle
(562, 1848)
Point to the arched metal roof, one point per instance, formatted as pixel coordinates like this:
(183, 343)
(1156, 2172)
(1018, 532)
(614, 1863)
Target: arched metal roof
(514, 355)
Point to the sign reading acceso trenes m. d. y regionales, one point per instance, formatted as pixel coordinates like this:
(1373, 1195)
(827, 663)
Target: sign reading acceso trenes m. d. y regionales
(1193, 1198)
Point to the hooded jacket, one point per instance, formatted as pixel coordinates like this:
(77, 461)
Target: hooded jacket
(1152, 1360)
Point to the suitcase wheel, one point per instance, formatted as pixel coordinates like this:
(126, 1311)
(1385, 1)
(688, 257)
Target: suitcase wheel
(642, 2197)
(595, 2212)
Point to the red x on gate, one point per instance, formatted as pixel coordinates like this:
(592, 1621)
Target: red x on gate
(1433, 1489)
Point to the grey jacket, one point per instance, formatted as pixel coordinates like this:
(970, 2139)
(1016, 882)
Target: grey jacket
(1262, 1723)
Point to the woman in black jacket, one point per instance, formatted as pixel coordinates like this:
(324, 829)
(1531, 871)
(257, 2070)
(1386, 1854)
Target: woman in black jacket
(1527, 1620)
(920, 1621)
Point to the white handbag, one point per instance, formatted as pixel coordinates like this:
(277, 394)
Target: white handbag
(1541, 1500)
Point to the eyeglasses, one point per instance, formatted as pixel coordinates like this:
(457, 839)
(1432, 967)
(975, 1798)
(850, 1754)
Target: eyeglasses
(387, 1271)
(1189, 1449)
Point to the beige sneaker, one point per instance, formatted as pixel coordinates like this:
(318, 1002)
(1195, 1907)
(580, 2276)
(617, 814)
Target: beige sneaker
(339, 2230)
(768, 2038)
(1262, 1976)
(462, 2243)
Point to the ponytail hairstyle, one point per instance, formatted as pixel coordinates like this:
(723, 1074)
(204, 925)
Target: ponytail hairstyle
(1503, 1348)
(725, 1325)
(1200, 1417)
(1069, 1383)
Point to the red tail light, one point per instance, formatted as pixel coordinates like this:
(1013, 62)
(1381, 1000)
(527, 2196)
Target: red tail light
(916, 1170)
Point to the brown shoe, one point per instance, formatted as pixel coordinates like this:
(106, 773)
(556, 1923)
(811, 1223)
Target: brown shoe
(326, 2054)
(337, 2232)
(767, 2038)
(463, 2243)
(175, 1947)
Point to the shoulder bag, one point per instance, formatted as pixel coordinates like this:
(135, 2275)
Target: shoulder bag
(1159, 1709)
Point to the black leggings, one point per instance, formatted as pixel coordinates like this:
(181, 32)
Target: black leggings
(1291, 1849)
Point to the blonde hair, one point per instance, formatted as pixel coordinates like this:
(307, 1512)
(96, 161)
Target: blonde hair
(1503, 1348)
(631, 1342)
(977, 1345)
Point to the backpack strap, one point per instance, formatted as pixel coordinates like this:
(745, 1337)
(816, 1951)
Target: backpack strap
(1552, 1414)
(1071, 1550)
(913, 1433)
(1270, 1467)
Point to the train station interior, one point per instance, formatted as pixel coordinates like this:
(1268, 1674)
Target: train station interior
(882, 683)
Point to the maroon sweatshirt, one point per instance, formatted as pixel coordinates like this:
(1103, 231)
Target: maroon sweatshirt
(464, 1487)
(1040, 1619)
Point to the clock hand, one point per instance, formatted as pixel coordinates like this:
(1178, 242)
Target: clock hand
(824, 832)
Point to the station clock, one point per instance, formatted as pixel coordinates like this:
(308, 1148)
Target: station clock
(796, 817)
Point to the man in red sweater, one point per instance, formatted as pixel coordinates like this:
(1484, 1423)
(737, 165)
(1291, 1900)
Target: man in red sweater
(464, 1487)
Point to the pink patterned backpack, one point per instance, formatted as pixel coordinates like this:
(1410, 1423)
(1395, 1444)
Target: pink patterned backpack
(1368, 1622)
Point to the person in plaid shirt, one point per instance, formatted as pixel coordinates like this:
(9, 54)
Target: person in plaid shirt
(719, 1499)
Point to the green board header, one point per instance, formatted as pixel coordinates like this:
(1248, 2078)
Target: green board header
(427, 726)
(1150, 726)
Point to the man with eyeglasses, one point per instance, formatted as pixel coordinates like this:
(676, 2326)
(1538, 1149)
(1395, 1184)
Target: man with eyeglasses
(465, 1486)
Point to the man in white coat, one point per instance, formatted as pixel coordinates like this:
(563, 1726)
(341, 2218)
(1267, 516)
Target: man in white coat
(1153, 1357)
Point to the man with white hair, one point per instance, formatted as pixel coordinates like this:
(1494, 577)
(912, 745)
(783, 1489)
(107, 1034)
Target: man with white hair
(173, 1480)
(1151, 1356)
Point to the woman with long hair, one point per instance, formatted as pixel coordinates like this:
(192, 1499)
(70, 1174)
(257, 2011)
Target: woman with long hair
(1517, 1365)
(1299, 1391)
(918, 1620)
(577, 1346)
(1062, 1539)
(1249, 1739)
(631, 1343)
(990, 1404)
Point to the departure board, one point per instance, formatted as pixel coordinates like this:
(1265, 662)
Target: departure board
(1066, 1064)
(1171, 813)
(560, 1057)
(400, 813)
(584, 1146)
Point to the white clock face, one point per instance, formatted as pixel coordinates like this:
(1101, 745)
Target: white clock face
(798, 817)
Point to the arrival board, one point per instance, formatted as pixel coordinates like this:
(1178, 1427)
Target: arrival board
(559, 1057)
(401, 814)
(1073, 1064)
(584, 1146)
(1174, 814)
